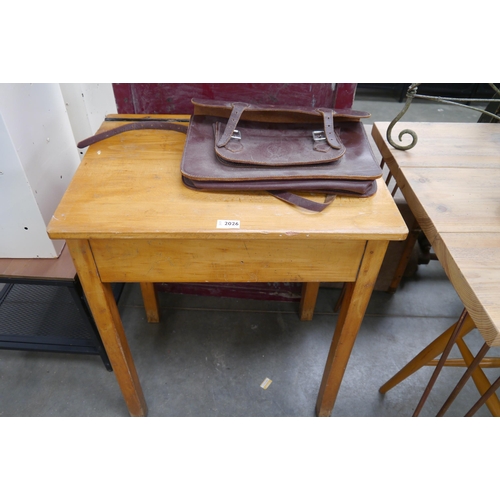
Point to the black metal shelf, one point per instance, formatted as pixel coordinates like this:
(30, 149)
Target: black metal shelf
(49, 316)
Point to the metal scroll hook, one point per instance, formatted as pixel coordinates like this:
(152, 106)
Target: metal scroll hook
(410, 94)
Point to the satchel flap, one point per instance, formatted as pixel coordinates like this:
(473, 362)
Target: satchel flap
(275, 145)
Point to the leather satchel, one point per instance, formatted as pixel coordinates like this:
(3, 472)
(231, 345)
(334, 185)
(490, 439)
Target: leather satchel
(282, 150)
(286, 151)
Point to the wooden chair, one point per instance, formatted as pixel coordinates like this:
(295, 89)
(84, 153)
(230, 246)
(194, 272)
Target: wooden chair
(175, 98)
(403, 250)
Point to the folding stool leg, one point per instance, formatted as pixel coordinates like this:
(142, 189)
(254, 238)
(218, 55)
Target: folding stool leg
(440, 365)
(434, 349)
(484, 398)
(479, 377)
(475, 363)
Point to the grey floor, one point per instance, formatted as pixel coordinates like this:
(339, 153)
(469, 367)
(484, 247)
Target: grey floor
(208, 356)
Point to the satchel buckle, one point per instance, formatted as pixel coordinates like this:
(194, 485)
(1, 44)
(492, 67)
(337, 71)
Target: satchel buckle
(236, 135)
(319, 135)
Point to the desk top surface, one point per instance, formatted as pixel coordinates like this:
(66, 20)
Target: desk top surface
(451, 181)
(129, 186)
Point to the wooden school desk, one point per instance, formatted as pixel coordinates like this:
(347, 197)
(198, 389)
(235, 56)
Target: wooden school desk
(127, 217)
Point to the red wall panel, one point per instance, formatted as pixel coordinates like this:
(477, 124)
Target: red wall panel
(154, 98)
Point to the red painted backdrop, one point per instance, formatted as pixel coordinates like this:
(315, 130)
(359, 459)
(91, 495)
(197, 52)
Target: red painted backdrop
(151, 98)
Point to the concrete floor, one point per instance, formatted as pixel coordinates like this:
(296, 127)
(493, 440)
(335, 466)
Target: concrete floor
(208, 356)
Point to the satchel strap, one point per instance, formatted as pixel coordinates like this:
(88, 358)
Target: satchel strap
(238, 108)
(299, 201)
(136, 125)
(223, 110)
(330, 135)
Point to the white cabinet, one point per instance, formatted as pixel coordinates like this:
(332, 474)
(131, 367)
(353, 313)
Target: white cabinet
(40, 125)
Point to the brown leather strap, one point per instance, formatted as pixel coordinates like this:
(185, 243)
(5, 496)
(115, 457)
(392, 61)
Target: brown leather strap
(138, 125)
(299, 201)
(331, 138)
(211, 107)
(238, 108)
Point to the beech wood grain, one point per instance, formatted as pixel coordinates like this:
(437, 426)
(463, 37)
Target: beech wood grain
(127, 217)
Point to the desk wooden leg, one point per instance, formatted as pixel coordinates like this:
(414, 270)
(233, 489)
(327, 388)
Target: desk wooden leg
(357, 296)
(103, 306)
(150, 300)
(308, 300)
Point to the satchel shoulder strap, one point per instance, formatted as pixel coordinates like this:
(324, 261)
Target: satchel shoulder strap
(302, 202)
(272, 113)
(134, 125)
